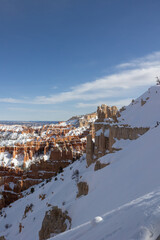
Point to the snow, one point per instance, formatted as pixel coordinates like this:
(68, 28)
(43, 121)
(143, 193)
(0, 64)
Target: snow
(77, 131)
(125, 179)
(96, 220)
(93, 119)
(16, 128)
(146, 115)
(10, 139)
(62, 124)
(11, 185)
(98, 133)
(106, 133)
(136, 220)
(28, 163)
(18, 160)
(5, 158)
(123, 202)
(73, 122)
(120, 144)
(46, 156)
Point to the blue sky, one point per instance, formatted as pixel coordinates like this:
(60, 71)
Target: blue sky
(60, 58)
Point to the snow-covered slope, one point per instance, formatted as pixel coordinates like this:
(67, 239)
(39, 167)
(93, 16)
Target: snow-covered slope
(133, 172)
(136, 220)
(125, 194)
(146, 115)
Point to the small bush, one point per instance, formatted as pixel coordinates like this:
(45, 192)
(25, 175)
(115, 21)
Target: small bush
(29, 208)
(8, 226)
(60, 170)
(32, 190)
(75, 175)
(48, 180)
(42, 196)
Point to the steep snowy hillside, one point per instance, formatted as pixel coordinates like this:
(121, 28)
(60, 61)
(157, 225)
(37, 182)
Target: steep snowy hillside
(117, 202)
(133, 172)
(144, 111)
(136, 220)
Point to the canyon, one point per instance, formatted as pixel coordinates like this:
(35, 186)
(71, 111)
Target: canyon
(29, 155)
(44, 151)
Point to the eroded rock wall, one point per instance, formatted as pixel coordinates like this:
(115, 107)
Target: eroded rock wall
(124, 133)
(105, 111)
(103, 142)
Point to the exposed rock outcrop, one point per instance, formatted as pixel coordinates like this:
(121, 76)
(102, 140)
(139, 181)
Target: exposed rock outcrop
(100, 165)
(87, 119)
(142, 102)
(124, 133)
(106, 131)
(89, 150)
(54, 222)
(2, 238)
(105, 111)
(2, 202)
(105, 140)
(82, 189)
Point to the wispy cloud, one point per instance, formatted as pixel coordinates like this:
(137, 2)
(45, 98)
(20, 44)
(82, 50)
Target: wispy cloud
(33, 110)
(136, 73)
(150, 60)
(118, 103)
(12, 100)
(54, 87)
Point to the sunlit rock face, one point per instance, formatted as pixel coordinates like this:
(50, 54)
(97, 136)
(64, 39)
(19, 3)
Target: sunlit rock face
(107, 128)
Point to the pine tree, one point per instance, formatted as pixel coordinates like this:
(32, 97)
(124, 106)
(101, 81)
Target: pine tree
(157, 81)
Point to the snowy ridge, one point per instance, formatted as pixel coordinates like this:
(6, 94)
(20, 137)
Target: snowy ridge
(146, 115)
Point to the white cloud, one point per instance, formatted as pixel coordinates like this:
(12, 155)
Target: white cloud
(139, 72)
(119, 103)
(147, 61)
(11, 100)
(54, 87)
(34, 110)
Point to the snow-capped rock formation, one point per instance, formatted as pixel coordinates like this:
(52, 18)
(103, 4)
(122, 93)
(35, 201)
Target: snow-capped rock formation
(129, 123)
